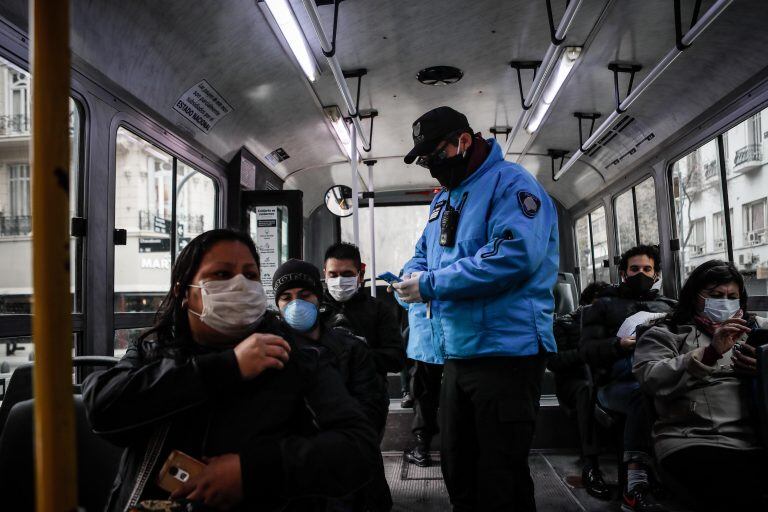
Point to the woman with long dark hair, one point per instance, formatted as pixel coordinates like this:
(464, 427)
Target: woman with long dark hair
(699, 370)
(220, 378)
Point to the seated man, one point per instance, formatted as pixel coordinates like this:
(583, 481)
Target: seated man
(573, 387)
(297, 293)
(699, 370)
(346, 304)
(611, 359)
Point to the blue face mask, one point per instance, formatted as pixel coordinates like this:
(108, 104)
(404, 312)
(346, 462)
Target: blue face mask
(300, 315)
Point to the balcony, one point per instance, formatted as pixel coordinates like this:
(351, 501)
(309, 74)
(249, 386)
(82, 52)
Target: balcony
(748, 158)
(15, 225)
(13, 126)
(186, 223)
(696, 250)
(711, 170)
(756, 237)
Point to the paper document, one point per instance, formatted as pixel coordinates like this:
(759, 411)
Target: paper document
(630, 325)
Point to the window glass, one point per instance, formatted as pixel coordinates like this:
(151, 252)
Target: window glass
(697, 198)
(397, 229)
(143, 202)
(584, 251)
(195, 204)
(124, 338)
(747, 177)
(16, 351)
(625, 221)
(647, 221)
(600, 245)
(16, 193)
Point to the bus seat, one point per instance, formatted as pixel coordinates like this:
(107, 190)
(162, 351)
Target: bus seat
(97, 460)
(566, 294)
(762, 392)
(20, 386)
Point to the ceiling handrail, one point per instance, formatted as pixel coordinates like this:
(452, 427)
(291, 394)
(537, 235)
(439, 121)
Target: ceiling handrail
(695, 31)
(338, 74)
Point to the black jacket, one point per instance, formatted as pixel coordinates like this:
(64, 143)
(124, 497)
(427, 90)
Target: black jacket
(567, 330)
(601, 321)
(373, 320)
(297, 430)
(354, 360)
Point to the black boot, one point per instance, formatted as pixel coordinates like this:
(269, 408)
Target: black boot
(407, 401)
(592, 479)
(419, 454)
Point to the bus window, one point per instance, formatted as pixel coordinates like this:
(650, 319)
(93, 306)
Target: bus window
(16, 213)
(592, 248)
(144, 207)
(747, 187)
(697, 194)
(398, 228)
(636, 221)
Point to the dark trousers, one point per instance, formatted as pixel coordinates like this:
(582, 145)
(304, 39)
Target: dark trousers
(624, 396)
(574, 391)
(425, 391)
(715, 478)
(488, 414)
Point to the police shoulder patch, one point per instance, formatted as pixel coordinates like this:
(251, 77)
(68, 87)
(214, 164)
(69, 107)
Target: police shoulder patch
(436, 210)
(529, 203)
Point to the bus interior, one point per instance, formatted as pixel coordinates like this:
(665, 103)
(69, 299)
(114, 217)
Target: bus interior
(289, 119)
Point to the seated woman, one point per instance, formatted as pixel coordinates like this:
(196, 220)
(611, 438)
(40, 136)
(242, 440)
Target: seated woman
(699, 371)
(220, 378)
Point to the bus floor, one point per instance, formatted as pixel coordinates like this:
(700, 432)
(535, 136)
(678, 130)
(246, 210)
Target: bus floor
(556, 477)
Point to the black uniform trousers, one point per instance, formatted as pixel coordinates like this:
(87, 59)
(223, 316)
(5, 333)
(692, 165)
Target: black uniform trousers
(488, 414)
(574, 391)
(425, 391)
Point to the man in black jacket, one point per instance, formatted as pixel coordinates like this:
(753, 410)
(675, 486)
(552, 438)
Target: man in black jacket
(610, 356)
(573, 387)
(345, 304)
(297, 293)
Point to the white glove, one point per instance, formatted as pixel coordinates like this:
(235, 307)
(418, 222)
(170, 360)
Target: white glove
(408, 289)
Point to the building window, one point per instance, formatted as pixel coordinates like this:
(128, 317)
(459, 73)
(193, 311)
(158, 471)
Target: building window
(15, 119)
(754, 222)
(697, 243)
(18, 189)
(592, 248)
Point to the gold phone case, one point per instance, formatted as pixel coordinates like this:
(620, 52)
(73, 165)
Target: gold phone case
(177, 470)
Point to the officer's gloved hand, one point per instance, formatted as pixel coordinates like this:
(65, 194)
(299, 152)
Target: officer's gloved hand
(408, 289)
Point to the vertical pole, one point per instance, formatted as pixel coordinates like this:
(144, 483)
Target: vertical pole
(55, 474)
(370, 163)
(355, 188)
(726, 201)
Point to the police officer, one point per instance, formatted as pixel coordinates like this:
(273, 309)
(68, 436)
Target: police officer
(488, 260)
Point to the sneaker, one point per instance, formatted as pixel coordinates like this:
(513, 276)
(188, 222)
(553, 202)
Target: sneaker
(640, 500)
(419, 456)
(407, 401)
(592, 480)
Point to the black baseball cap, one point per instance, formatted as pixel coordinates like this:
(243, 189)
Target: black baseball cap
(433, 127)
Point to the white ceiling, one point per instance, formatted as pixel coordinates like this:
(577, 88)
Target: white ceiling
(157, 50)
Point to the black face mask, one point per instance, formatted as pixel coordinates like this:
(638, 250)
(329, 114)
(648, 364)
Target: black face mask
(450, 172)
(639, 283)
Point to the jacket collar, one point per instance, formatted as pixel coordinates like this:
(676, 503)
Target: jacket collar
(495, 156)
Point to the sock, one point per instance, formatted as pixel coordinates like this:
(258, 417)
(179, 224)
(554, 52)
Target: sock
(636, 477)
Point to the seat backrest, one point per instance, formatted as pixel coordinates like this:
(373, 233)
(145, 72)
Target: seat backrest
(18, 389)
(566, 294)
(762, 392)
(97, 460)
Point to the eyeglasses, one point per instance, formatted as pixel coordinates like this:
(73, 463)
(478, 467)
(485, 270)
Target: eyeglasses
(438, 155)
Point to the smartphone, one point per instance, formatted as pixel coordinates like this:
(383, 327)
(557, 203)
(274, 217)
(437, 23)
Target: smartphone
(757, 337)
(177, 470)
(389, 277)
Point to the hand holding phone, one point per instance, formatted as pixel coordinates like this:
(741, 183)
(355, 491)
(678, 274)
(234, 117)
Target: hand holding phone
(177, 470)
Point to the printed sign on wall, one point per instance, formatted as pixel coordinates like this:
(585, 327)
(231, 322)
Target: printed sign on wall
(203, 106)
(267, 241)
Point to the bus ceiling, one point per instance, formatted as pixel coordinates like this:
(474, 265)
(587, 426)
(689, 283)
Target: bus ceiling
(291, 109)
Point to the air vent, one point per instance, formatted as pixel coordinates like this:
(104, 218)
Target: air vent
(440, 75)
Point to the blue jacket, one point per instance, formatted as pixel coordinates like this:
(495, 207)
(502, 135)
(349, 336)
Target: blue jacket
(424, 338)
(491, 293)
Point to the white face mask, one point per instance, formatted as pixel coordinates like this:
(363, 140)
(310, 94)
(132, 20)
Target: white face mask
(233, 307)
(720, 310)
(342, 288)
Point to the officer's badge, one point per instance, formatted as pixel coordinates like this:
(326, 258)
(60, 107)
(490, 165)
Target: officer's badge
(529, 203)
(417, 136)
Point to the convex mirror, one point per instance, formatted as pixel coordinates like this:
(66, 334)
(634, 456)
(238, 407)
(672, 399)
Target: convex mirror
(338, 200)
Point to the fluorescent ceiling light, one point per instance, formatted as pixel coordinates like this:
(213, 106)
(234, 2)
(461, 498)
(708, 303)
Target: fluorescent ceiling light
(341, 128)
(555, 82)
(292, 33)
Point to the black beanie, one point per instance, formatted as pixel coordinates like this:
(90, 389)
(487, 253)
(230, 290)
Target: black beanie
(296, 274)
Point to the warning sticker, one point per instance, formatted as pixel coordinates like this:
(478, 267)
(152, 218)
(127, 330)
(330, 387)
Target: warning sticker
(203, 106)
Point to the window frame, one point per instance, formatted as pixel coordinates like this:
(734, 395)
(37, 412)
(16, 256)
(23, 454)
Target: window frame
(588, 215)
(615, 198)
